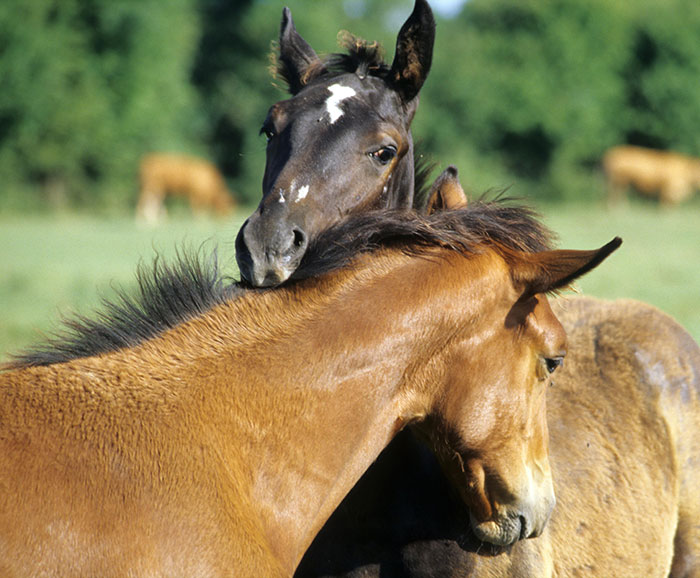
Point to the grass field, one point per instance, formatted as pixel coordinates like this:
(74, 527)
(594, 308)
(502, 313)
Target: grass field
(53, 265)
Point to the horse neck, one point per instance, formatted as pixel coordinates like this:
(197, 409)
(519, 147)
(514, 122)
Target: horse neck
(351, 358)
(313, 396)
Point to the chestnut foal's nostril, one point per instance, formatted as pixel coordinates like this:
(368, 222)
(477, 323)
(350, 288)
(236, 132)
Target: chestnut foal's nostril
(524, 529)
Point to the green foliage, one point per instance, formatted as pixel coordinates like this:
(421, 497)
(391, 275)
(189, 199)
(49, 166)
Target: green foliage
(537, 90)
(87, 86)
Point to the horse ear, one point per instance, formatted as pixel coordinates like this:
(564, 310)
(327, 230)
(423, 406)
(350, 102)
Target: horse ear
(446, 193)
(297, 58)
(551, 270)
(414, 51)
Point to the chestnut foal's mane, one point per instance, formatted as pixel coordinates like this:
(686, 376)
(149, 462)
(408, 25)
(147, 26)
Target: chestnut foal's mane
(171, 294)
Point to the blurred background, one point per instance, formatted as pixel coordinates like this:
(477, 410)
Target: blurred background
(523, 94)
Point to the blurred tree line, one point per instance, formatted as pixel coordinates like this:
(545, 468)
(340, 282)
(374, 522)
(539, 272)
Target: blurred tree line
(528, 93)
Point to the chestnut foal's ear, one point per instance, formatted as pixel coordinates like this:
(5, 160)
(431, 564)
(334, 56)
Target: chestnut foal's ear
(551, 270)
(297, 58)
(446, 193)
(414, 52)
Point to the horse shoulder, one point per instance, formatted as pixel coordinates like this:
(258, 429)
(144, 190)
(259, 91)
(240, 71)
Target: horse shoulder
(124, 473)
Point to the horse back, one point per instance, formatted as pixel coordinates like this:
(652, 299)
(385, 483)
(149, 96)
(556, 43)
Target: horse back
(633, 435)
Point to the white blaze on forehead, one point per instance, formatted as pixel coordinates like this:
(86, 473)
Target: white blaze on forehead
(338, 94)
(281, 199)
(303, 191)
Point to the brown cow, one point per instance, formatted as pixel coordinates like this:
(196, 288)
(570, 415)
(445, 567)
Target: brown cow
(163, 174)
(667, 175)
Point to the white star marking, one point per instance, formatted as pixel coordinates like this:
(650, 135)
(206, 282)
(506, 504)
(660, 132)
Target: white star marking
(338, 94)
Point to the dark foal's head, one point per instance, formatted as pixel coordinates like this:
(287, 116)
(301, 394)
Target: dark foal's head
(340, 145)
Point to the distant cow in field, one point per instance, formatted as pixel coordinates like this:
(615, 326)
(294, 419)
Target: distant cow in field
(670, 176)
(196, 179)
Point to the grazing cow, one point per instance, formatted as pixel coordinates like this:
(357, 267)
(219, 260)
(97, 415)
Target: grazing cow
(199, 181)
(670, 177)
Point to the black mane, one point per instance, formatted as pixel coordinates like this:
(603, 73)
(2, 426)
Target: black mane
(168, 294)
(498, 224)
(171, 294)
(362, 57)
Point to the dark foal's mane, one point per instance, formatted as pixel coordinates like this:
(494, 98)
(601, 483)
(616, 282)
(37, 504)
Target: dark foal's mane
(362, 58)
(168, 295)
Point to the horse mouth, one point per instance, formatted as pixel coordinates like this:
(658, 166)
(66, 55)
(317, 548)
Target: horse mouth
(504, 532)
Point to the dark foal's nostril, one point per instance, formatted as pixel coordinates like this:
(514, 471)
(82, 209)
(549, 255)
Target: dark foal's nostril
(299, 238)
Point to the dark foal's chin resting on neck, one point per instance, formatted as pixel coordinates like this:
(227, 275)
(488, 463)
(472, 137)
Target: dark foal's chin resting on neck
(340, 145)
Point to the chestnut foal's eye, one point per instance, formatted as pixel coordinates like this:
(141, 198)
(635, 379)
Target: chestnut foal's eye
(384, 155)
(553, 362)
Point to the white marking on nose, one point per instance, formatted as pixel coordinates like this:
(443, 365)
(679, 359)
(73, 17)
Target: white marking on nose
(338, 94)
(282, 199)
(303, 191)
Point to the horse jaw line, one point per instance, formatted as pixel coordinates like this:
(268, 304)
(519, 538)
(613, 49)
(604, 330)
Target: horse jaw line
(338, 94)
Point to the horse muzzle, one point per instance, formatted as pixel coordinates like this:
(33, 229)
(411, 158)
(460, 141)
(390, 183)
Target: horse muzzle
(266, 260)
(515, 522)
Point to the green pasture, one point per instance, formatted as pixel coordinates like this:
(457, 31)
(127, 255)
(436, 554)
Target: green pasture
(54, 265)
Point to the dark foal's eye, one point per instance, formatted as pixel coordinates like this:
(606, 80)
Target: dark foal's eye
(384, 155)
(553, 362)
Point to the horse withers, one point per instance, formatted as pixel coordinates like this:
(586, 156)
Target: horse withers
(341, 144)
(211, 430)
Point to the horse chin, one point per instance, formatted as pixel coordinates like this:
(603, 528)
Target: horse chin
(274, 277)
(503, 532)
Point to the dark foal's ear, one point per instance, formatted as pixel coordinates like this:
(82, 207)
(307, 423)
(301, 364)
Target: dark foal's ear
(298, 60)
(414, 52)
(551, 270)
(446, 193)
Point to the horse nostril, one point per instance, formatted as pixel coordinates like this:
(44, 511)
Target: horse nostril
(524, 528)
(299, 238)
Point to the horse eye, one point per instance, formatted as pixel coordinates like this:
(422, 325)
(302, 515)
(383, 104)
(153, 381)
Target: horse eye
(553, 362)
(384, 155)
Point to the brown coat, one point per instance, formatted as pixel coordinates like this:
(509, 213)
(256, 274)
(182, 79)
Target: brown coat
(221, 445)
(624, 422)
